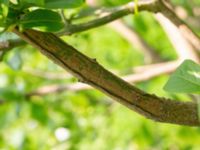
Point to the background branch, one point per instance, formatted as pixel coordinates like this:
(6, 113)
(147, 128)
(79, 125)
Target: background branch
(114, 14)
(135, 40)
(183, 48)
(10, 44)
(187, 32)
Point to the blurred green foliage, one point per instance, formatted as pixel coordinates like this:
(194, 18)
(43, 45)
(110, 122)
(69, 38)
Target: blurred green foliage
(87, 120)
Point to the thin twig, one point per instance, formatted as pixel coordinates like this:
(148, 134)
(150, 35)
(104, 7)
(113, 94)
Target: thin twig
(10, 44)
(127, 9)
(115, 13)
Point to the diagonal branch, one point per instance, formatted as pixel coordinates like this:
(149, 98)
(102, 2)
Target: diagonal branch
(182, 47)
(148, 72)
(90, 72)
(186, 31)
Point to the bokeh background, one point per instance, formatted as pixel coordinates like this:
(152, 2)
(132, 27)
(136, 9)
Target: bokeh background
(87, 119)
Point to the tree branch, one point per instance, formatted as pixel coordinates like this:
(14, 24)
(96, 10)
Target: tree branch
(90, 72)
(187, 32)
(144, 73)
(183, 49)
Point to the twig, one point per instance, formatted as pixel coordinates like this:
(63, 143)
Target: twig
(188, 33)
(10, 44)
(6, 46)
(115, 13)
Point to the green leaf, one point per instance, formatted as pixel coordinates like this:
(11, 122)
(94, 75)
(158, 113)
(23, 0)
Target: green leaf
(39, 112)
(5, 2)
(56, 4)
(186, 79)
(30, 3)
(11, 93)
(3, 11)
(42, 19)
(36, 2)
(12, 16)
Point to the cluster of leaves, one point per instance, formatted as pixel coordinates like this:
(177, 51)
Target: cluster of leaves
(40, 14)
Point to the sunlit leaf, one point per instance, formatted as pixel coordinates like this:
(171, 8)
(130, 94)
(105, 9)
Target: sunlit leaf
(55, 4)
(45, 20)
(4, 10)
(3, 14)
(186, 79)
(30, 3)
